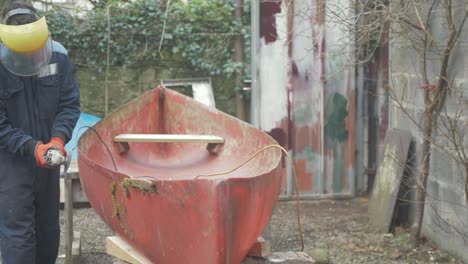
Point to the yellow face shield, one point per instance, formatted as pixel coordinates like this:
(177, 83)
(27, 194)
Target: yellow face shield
(25, 38)
(25, 49)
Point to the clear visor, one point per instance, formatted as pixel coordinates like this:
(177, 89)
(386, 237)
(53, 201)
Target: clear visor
(26, 64)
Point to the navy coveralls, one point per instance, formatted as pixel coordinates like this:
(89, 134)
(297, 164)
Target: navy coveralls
(33, 108)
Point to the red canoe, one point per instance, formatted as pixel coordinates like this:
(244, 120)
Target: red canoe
(152, 195)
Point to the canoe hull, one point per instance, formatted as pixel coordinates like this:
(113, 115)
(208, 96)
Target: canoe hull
(182, 219)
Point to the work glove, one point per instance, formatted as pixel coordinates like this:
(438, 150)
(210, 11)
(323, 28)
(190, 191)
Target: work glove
(41, 151)
(58, 143)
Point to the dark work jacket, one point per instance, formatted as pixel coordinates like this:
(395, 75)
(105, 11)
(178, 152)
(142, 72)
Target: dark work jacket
(35, 109)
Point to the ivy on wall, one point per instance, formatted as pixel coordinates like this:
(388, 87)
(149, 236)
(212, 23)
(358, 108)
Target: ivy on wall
(197, 35)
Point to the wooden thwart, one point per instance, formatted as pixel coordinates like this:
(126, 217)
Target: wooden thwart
(213, 141)
(168, 138)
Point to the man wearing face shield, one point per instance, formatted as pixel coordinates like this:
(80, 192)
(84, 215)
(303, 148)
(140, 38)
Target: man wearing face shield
(39, 107)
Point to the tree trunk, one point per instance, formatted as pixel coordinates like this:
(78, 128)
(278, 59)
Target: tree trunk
(239, 57)
(424, 173)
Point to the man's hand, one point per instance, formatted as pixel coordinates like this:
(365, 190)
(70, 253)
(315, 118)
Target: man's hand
(41, 151)
(39, 154)
(58, 143)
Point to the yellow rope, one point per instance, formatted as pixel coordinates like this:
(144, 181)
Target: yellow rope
(295, 181)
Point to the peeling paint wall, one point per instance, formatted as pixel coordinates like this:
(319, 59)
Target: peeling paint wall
(273, 51)
(340, 106)
(375, 114)
(306, 96)
(307, 90)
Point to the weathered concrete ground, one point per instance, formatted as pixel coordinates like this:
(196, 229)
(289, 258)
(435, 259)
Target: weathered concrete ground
(335, 231)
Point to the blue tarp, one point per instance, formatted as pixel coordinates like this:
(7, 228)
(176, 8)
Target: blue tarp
(84, 121)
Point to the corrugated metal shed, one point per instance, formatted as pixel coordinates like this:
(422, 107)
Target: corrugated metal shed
(304, 94)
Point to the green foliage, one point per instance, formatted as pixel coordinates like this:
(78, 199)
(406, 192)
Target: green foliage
(198, 35)
(149, 40)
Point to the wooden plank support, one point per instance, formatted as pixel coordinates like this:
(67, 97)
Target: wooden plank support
(76, 250)
(119, 248)
(261, 248)
(78, 194)
(76, 247)
(72, 238)
(69, 235)
(288, 257)
(214, 142)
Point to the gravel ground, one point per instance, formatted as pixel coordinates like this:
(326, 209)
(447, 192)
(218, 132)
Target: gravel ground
(335, 231)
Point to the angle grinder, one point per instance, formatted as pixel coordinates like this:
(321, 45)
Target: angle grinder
(54, 158)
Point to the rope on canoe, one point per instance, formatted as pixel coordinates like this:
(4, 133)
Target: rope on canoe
(102, 141)
(295, 181)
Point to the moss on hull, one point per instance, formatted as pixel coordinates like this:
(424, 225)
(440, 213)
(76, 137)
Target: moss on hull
(139, 184)
(115, 204)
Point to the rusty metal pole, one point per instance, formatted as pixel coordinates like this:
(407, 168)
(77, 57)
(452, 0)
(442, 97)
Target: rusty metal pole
(239, 57)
